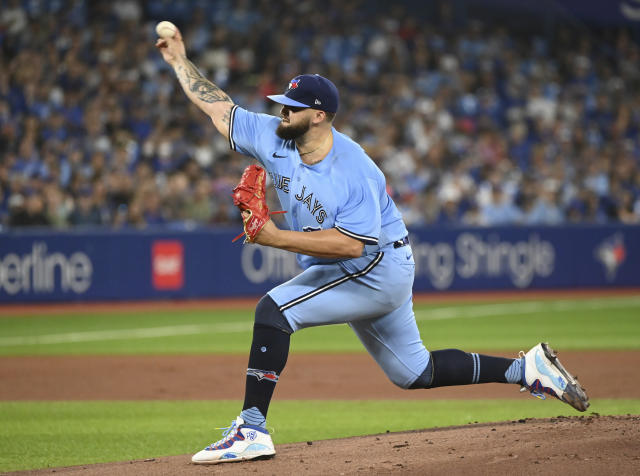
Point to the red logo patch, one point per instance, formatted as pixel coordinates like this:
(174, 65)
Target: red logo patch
(167, 265)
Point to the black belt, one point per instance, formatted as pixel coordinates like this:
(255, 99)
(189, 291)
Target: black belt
(400, 243)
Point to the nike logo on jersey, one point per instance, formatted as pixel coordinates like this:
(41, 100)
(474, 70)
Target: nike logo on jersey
(276, 156)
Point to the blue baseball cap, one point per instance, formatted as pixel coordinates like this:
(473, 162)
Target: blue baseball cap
(309, 90)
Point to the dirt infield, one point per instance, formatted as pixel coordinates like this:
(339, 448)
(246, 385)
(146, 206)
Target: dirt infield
(333, 376)
(589, 445)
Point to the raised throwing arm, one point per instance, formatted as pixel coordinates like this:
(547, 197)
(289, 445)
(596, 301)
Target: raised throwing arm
(212, 100)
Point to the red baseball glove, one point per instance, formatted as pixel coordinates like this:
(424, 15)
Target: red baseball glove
(249, 195)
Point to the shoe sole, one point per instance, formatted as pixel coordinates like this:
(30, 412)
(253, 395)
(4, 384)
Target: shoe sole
(573, 394)
(236, 460)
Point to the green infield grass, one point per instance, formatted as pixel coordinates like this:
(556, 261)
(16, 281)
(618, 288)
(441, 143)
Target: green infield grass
(51, 434)
(569, 324)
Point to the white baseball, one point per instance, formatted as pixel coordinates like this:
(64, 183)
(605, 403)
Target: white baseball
(166, 29)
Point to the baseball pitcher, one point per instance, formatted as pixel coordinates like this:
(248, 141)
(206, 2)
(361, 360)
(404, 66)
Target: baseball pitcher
(354, 249)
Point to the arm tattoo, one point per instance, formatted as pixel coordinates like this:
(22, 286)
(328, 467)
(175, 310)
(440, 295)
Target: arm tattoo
(195, 82)
(227, 116)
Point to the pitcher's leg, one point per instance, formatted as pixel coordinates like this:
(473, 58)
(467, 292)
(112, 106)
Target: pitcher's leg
(539, 371)
(394, 342)
(455, 367)
(267, 358)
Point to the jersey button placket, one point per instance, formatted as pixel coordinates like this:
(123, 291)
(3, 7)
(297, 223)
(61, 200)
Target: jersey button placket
(293, 202)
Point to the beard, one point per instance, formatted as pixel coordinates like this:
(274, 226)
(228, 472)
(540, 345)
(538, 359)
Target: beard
(290, 132)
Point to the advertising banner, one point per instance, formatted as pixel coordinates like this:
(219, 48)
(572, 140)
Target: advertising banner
(90, 266)
(521, 258)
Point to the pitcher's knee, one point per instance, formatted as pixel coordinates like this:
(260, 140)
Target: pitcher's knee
(269, 315)
(403, 379)
(400, 381)
(425, 379)
(403, 374)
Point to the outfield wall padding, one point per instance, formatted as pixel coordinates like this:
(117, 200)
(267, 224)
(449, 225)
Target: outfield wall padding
(98, 265)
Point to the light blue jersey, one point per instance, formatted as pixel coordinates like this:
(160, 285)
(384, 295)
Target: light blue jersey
(346, 190)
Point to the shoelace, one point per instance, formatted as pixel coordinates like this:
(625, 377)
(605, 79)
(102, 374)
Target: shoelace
(533, 393)
(228, 433)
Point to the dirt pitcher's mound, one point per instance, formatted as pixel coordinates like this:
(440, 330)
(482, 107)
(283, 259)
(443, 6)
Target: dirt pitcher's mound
(586, 445)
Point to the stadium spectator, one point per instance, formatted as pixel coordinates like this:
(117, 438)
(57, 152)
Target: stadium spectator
(86, 212)
(500, 210)
(198, 206)
(27, 212)
(58, 205)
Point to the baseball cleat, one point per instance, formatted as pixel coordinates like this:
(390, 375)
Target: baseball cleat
(240, 442)
(543, 373)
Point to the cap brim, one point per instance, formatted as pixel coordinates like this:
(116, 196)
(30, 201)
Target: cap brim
(284, 100)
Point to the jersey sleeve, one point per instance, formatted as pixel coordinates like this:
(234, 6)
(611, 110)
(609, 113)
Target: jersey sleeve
(360, 216)
(251, 133)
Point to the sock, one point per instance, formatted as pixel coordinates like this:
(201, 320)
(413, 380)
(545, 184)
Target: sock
(455, 367)
(253, 416)
(267, 358)
(514, 372)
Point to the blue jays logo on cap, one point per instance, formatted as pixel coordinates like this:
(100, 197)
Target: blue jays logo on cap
(309, 90)
(294, 83)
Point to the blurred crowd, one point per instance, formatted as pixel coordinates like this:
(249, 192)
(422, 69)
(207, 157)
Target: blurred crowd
(472, 123)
